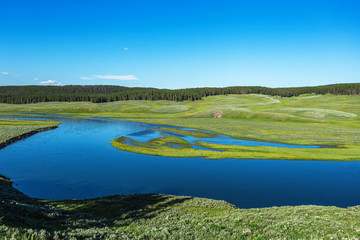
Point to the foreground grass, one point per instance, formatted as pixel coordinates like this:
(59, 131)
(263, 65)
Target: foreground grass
(156, 216)
(12, 130)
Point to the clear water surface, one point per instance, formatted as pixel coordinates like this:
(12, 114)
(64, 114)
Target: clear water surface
(76, 160)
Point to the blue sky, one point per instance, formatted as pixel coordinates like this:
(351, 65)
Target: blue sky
(179, 44)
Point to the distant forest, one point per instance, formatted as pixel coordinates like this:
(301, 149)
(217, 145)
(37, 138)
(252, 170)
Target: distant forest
(108, 93)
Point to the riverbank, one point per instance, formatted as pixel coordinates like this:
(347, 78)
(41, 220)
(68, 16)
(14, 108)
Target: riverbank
(25, 135)
(15, 130)
(156, 216)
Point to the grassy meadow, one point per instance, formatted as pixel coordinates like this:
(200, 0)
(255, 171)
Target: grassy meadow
(331, 120)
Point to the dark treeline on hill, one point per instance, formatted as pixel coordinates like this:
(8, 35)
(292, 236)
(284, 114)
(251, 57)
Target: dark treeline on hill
(107, 93)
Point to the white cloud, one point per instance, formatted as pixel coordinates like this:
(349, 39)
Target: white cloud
(50, 82)
(36, 79)
(9, 74)
(125, 48)
(86, 78)
(116, 77)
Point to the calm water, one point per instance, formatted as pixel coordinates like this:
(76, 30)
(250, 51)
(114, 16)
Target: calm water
(76, 160)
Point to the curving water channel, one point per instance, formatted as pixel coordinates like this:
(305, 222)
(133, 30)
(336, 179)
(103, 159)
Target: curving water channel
(76, 160)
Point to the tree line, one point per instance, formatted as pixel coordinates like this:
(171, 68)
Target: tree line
(108, 93)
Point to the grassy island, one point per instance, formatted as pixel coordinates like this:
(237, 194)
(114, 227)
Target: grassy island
(222, 151)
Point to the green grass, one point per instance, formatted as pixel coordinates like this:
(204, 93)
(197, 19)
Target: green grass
(161, 147)
(171, 109)
(156, 216)
(192, 133)
(11, 128)
(164, 141)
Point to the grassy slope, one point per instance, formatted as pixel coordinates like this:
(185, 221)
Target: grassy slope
(154, 216)
(307, 119)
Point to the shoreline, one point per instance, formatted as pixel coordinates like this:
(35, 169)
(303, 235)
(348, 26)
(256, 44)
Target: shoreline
(24, 136)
